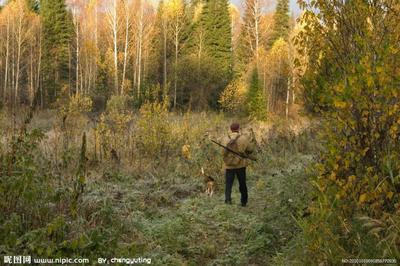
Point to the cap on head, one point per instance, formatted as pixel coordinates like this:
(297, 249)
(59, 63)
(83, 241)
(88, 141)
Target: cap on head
(235, 127)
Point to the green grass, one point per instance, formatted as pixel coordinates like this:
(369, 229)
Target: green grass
(178, 224)
(161, 211)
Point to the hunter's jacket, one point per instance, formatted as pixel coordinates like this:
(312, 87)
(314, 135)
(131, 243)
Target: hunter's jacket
(244, 146)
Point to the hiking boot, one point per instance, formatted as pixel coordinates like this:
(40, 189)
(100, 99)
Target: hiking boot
(243, 204)
(228, 202)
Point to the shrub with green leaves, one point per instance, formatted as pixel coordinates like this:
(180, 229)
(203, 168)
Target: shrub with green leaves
(232, 98)
(113, 130)
(256, 100)
(26, 189)
(154, 131)
(358, 174)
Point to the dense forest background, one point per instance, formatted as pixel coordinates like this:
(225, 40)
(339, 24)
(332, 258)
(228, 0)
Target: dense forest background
(195, 55)
(107, 109)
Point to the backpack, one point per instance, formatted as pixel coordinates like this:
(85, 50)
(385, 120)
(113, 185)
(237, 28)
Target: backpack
(231, 159)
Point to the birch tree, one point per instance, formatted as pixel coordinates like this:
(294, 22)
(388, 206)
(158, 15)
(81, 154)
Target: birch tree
(139, 48)
(126, 42)
(177, 17)
(77, 48)
(164, 28)
(251, 32)
(33, 72)
(20, 28)
(7, 53)
(113, 21)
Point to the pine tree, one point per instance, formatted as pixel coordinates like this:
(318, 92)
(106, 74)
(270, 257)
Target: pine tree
(215, 21)
(193, 32)
(57, 33)
(256, 102)
(281, 22)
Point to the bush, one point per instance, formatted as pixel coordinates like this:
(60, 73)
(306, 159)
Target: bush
(358, 174)
(154, 131)
(73, 113)
(117, 104)
(256, 100)
(26, 189)
(232, 99)
(113, 130)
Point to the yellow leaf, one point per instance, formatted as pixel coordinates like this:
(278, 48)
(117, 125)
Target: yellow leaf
(340, 104)
(332, 176)
(363, 198)
(389, 195)
(352, 178)
(340, 88)
(186, 152)
(364, 151)
(370, 81)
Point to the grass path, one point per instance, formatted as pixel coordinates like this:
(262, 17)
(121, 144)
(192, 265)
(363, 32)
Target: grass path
(179, 225)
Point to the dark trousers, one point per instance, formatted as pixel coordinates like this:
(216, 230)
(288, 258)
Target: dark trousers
(229, 178)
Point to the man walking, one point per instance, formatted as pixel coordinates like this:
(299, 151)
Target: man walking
(235, 164)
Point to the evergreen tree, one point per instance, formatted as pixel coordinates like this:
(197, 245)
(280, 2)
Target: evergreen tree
(193, 29)
(207, 59)
(256, 102)
(57, 33)
(215, 21)
(281, 22)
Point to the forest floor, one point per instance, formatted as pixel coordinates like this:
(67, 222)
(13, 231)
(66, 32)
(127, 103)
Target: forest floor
(182, 225)
(162, 212)
(178, 224)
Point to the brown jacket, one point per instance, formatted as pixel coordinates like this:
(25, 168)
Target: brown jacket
(245, 147)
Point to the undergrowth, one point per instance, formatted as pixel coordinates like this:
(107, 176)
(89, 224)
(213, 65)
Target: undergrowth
(149, 201)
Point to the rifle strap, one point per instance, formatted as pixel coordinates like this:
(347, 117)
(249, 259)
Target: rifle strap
(233, 140)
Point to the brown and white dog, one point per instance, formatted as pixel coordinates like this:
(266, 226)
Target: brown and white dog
(210, 183)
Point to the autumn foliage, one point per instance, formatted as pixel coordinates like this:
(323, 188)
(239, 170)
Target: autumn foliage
(353, 80)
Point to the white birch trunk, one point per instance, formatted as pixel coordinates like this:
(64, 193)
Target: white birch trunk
(7, 58)
(31, 76)
(39, 59)
(127, 24)
(176, 66)
(164, 28)
(287, 98)
(19, 47)
(256, 14)
(112, 19)
(115, 34)
(77, 54)
(139, 77)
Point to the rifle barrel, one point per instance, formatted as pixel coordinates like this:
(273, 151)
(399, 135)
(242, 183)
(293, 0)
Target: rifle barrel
(234, 152)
